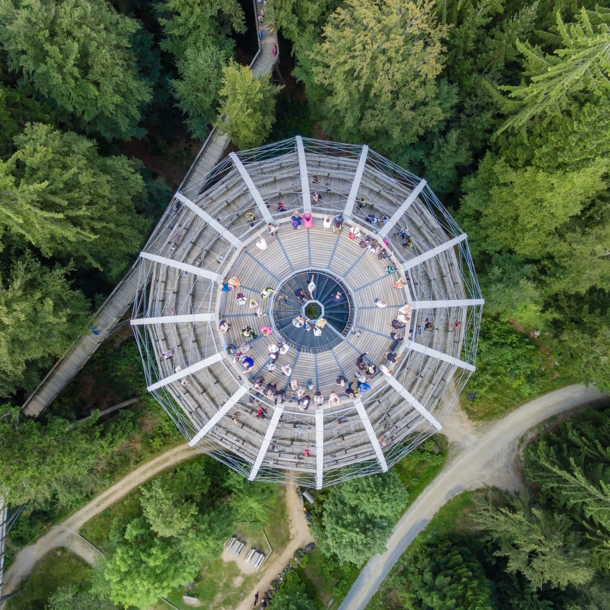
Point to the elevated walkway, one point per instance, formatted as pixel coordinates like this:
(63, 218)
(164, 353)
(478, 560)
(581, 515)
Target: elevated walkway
(124, 294)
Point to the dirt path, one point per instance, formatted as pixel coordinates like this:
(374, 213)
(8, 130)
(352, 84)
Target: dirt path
(66, 533)
(64, 536)
(299, 537)
(487, 456)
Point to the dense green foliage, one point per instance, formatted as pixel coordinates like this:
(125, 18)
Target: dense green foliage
(291, 595)
(444, 575)
(78, 54)
(52, 462)
(572, 471)
(358, 517)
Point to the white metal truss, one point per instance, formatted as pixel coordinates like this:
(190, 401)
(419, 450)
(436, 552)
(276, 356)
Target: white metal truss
(371, 434)
(400, 212)
(448, 289)
(170, 262)
(418, 260)
(304, 176)
(319, 447)
(193, 317)
(266, 442)
(189, 370)
(353, 192)
(428, 351)
(252, 188)
(222, 231)
(454, 303)
(413, 401)
(242, 390)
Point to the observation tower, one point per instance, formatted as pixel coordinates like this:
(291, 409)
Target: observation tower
(317, 353)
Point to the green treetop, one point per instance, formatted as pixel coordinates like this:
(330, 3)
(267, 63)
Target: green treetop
(540, 544)
(445, 575)
(376, 72)
(246, 106)
(359, 515)
(78, 54)
(61, 196)
(39, 317)
(193, 24)
(582, 64)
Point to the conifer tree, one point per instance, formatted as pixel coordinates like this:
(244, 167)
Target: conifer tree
(246, 106)
(78, 54)
(61, 196)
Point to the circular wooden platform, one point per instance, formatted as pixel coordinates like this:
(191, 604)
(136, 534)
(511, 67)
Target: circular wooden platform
(206, 242)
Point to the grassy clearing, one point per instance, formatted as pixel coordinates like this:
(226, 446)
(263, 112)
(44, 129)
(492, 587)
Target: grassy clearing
(56, 569)
(98, 529)
(325, 578)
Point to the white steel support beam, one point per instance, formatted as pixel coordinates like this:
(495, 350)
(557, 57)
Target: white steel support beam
(353, 192)
(252, 188)
(189, 370)
(371, 434)
(170, 262)
(212, 222)
(194, 317)
(266, 442)
(440, 304)
(402, 209)
(219, 414)
(413, 401)
(432, 253)
(319, 447)
(428, 351)
(304, 176)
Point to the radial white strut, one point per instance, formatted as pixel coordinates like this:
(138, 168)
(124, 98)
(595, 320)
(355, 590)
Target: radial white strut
(353, 192)
(319, 447)
(212, 222)
(402, 209)
(170, 262)
(252, 188)
(189, 370)
(304, 176)
(432, 253)
(371, 434)
(412, 401)
(266, 441)
(193, 317)
(219, 414)
(440, 304)
(428, 351)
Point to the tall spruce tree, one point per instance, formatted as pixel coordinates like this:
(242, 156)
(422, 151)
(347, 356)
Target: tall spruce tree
(540, 544)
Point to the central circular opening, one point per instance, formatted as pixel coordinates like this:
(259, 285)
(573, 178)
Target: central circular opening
(312, 311)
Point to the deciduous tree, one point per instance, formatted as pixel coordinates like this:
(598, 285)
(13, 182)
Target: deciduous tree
(358, 516)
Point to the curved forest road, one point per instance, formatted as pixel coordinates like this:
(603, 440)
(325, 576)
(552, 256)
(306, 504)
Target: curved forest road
(486, 457)
(64, 535)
